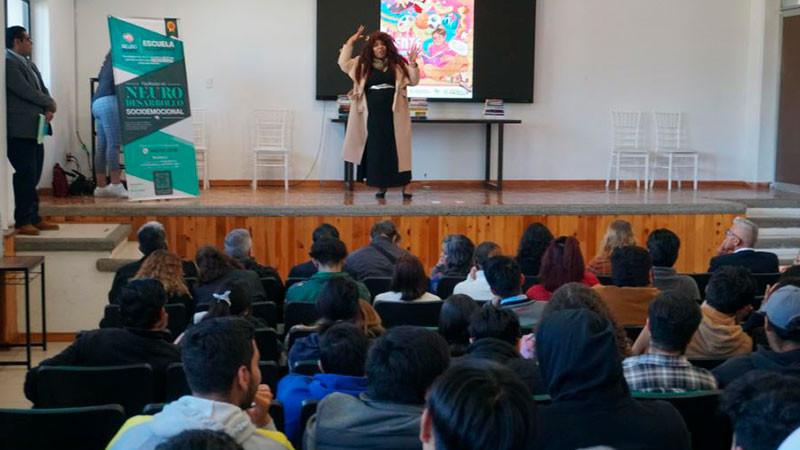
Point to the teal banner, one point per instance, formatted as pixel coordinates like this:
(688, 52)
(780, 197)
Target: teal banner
(153, 97)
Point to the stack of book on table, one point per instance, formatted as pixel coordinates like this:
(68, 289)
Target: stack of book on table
(419, 108)
(344, 106)
(494, 108)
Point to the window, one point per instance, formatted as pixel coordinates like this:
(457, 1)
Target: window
(18, 12)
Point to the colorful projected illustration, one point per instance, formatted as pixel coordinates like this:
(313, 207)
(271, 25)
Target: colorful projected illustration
(445, 31)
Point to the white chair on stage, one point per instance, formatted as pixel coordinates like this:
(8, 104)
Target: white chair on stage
(199, 117)
(627, 148)
(672, 151)
(271, 142)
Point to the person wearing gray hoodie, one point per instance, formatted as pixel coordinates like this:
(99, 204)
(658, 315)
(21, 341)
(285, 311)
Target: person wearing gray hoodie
(220, 358)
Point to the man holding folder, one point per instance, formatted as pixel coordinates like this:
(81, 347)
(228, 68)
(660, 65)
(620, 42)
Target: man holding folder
(28, 105)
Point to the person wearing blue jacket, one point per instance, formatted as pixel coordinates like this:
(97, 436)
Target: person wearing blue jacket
(343, 353)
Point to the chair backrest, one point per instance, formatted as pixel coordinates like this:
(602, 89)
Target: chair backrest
(297, 313)
(308, 368)
(633, 332)
(131, 386)
(111, 317)
(266, 311)
(669, 131)
(270, 127)
(294, 334)
(702, 281)
(270, 374)
(274, 289)
(277, 414)
(709, 428)
(605, 280)
(421, 314)
(268, 344)
(627, 130)
(89, 428)
(307, 409)
(446, 286)
(177, 318)
(377, 285)
(199, 127)
(764, 279)
(530, 280)
(707, 363)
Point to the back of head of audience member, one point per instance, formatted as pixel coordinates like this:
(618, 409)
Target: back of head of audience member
(533, 243)
(744, 232)
(151, 237)
(238, 244)
(220, 359)
(562, 263)
(200, 440)
(343, 350)
(730, 290)
(141, 304)
(212, 264)
(460, 252)
(580, 296)
(631, 267)
(328, 254)
(403, 363)
(231, 299)
(454, 320)
(387, 229)
(484, 251)
(409, 278)
(663, 245)
(504, 276)
(166, 267)
(495, 323)
(673, 320)
(325, 230)
(619, 234)
(782, 324)
(764, 408)
(337, 302)
(478, 405)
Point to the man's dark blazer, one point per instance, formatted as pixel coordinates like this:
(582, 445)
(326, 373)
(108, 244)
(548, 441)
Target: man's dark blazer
(24, 100)
(756, 262)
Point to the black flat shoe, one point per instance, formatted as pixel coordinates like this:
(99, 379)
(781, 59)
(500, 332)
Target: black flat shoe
(407, 196)
(380, 195)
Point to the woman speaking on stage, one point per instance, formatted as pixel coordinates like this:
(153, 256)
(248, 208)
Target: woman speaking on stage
(378, 136)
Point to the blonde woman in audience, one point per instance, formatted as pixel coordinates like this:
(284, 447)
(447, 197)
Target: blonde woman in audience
(409, 283)
(619, 234)
(167, 267)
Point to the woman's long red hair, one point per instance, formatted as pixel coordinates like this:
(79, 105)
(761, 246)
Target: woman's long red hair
(562, 263)
(394, 58)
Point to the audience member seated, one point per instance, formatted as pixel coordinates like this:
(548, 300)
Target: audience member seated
(591, 404)
(216, 268)
(664, 245)
(494, 335)
(239, 246)
(151, 237)
(764, 408)
(476, 285)
(478, 406)
(737, 250)
(307, 269)
(729, 297)
(782, 326)
(200, 440)
(454, 320)
(401, 366)
(619, 234)
(532, 245)
(506, 281)
(580, 296)
(231, 300)
(167, 267)
(142, 340)
(632, 291)
(562, 263)
(409, 283)
(328, 256)
(378, 258)
(671, 323)
(342, 356)
(455, 260)
(220, 358)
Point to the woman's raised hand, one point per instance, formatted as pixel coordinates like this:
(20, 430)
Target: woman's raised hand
(359, 33)
(413, 54)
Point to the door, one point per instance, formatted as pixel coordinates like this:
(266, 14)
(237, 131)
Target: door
(788, 157)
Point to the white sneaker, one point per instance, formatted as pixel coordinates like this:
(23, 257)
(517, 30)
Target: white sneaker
(117, 190)
(102, 191)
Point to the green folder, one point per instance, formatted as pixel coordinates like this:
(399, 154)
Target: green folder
(42, 129)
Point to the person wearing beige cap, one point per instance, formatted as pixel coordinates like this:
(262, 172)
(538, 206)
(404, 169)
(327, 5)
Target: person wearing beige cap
(782, 325)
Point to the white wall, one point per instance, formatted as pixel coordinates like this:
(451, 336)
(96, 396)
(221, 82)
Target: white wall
(700, 57)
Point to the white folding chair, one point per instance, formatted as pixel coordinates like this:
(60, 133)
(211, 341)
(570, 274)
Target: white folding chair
(199, 117)
(627, 147)
(271, 142)
(672, 151)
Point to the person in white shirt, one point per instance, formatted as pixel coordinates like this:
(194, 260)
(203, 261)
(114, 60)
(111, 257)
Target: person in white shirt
(409, 283)
(476, 285)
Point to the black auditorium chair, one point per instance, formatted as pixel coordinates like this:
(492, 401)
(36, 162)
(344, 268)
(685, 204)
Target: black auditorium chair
(176, 384)
(702, 281)
(530, 280)
(763, 280)
(307, 409)
(446, 285)
(87, 428)
(276, 293)
(131, 386)
(605, 280)
(268, 344)
(709, 427)
(177, 318)
(111, 317)
(308, 368)
(266, 311)
(633, 332)
(299, 313)
(377, 285)
(421, 314)
(709, 363)
(294, 335)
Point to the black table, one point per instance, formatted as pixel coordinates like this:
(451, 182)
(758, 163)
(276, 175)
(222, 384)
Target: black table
(16, 271)
(488, 121)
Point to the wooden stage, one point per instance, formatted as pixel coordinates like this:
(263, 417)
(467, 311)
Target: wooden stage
(282, 222)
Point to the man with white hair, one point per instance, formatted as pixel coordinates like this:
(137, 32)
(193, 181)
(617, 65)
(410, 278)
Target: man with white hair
(737, 250)
(239, 246)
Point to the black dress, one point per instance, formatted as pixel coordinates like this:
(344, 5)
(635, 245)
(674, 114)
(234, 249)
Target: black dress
(379, 163)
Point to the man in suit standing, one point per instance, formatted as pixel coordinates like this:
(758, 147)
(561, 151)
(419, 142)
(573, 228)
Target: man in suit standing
(26, 98)
(737, 250)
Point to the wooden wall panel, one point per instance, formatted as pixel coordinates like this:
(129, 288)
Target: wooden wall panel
(285, 241)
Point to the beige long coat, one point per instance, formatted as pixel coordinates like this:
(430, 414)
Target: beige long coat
(356, 136)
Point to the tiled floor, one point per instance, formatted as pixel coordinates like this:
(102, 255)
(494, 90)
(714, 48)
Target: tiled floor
(12, 378)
